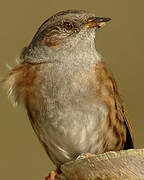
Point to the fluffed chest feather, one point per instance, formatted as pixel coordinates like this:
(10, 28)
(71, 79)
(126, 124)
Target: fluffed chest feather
(68, 109)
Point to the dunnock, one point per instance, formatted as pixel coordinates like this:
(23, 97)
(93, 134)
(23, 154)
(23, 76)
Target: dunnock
(71, 97)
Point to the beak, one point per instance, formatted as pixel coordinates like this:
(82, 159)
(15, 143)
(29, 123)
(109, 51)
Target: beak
(96, 22)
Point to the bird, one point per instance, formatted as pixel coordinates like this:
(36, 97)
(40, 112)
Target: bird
(71, 97)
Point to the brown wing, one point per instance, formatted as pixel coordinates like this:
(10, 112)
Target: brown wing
(118, 119)
(122, 113)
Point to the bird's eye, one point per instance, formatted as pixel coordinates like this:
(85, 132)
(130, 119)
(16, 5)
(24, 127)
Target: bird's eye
(68, 26)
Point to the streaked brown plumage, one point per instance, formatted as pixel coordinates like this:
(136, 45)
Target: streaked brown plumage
(73, 104)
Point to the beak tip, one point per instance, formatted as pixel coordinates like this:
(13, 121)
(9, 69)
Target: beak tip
(105, 19)
(97, 22)
(108, 19)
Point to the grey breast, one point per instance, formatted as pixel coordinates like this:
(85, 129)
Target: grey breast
(71, 115)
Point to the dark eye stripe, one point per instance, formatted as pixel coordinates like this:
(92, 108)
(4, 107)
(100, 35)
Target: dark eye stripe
(56, 28)
(52, 30)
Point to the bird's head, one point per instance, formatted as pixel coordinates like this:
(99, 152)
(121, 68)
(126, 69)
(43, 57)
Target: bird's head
(66, 28)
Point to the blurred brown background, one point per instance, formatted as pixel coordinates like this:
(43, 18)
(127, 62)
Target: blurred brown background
(120, 42)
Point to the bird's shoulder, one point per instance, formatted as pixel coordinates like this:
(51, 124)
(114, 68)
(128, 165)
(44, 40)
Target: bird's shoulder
(20, 80)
